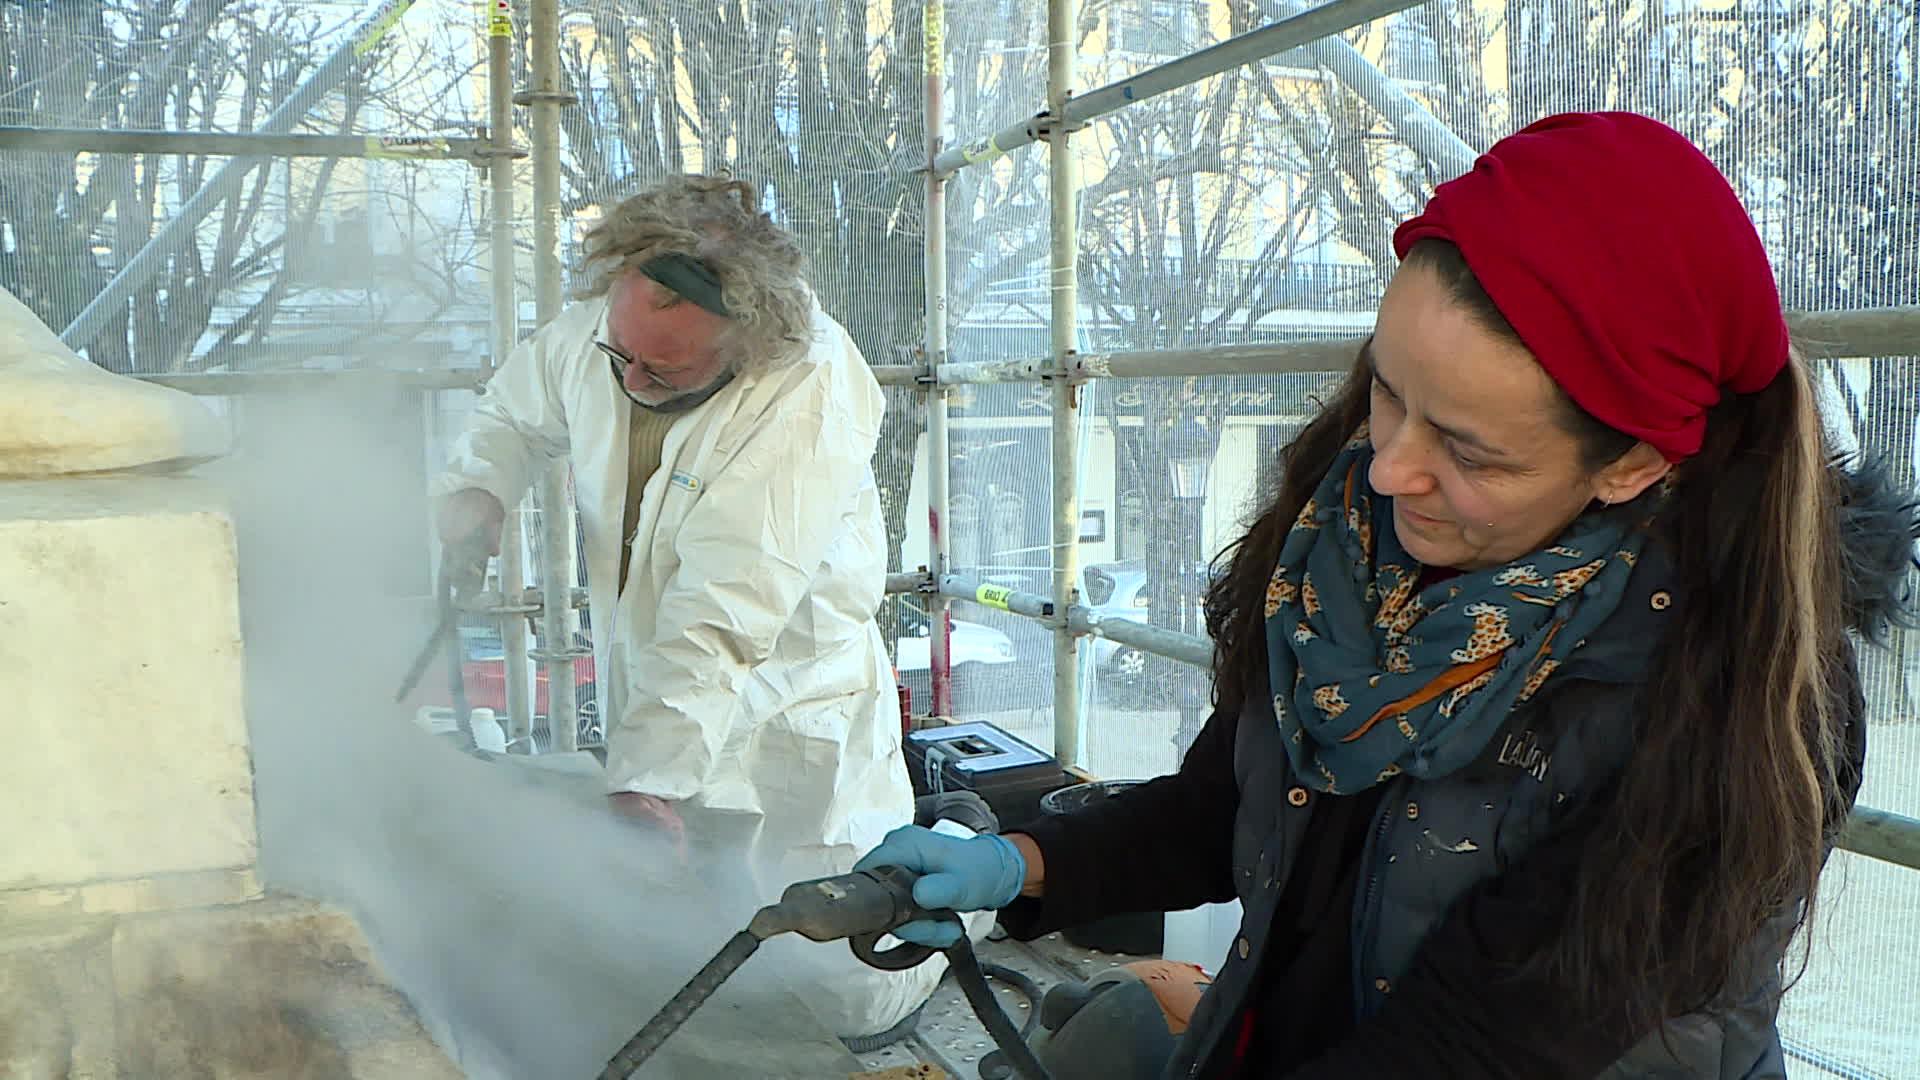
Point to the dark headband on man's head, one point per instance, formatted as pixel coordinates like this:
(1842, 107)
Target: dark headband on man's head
(690, 278)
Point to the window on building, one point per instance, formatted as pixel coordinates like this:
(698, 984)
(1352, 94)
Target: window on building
(1129, 498)
(614, 144)
(963, 532)
(1130, 530)
(1007, 530)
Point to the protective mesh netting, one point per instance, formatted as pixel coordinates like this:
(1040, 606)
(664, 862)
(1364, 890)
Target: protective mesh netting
(1259, 205)
(307, 262)
(1255, 206)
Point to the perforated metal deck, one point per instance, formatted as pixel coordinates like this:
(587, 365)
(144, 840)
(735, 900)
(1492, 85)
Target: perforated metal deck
(952, 1038)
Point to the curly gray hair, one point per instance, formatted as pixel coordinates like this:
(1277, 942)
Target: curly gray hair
(717, 220)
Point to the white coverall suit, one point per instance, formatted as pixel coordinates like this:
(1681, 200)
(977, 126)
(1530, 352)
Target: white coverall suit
(742, 671)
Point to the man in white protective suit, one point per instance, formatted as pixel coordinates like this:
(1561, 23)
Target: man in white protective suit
(720, 427)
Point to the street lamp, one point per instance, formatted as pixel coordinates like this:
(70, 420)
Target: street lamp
(1190, 459)
(1190, 450)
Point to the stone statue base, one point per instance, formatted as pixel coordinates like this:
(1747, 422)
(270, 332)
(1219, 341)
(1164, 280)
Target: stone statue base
(60, 414)
(278, 988)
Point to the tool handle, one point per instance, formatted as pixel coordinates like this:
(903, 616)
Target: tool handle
(898, 881)
(465, 563)
(905, 955)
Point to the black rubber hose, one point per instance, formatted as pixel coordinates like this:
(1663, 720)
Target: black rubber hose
(973, 983)
(995, 1066)
(691, 996)
(1027, 988)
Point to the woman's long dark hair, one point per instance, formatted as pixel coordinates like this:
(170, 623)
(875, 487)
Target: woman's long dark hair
(1721, 820)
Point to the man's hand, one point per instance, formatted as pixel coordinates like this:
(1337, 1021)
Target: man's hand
(655, 812)
(471, 517)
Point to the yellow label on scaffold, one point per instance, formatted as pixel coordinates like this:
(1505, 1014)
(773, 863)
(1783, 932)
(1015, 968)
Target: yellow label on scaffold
(993, 596)
(406, 146)
(932, 27)
(981, 149)
(377, 27)
(500, 24)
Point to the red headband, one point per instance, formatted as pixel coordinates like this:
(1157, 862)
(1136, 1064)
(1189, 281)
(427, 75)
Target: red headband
(1627, 265)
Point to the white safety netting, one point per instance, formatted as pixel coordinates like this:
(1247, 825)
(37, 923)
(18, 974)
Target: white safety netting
(309, 262)
(1258, 205)
(1255, 206)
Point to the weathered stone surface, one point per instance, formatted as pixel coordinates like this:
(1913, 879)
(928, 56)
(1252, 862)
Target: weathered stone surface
(134, 942)
(120, 660)
(56, 1002)
(169, 892)
(278, 988)
(60, 414)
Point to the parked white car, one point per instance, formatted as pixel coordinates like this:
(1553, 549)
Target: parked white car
(1116, 592)
(975, 650)
(1119, 592)
(971, 643)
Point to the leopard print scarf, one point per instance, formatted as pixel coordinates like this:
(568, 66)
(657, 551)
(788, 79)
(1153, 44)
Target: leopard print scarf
(1374, 675)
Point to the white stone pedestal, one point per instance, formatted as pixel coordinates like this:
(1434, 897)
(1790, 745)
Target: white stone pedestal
(124, 762)
(134, 939)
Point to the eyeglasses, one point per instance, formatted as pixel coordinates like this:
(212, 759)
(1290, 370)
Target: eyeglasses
(620, 362)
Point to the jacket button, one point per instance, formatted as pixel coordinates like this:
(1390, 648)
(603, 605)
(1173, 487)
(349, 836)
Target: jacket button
(1243, 948)
(1383, 986)
(1413, 811)
(1297, 796)
(1662, 600)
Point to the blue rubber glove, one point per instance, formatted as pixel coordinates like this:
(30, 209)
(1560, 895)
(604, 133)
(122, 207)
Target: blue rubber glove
(976, 873)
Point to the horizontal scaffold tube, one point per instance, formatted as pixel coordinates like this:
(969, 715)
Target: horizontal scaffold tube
(1271, 40)
(1865, 334)
(1874, 833)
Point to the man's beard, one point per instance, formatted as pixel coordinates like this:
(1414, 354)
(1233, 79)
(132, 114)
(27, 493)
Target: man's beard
(682, 402)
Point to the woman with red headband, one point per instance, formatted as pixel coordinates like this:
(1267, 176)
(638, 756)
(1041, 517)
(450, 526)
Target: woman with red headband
(1536, 710)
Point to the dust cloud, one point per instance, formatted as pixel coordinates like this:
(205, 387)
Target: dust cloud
(532, 930)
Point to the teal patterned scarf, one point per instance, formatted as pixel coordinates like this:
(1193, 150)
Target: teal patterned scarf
(1373, 675)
